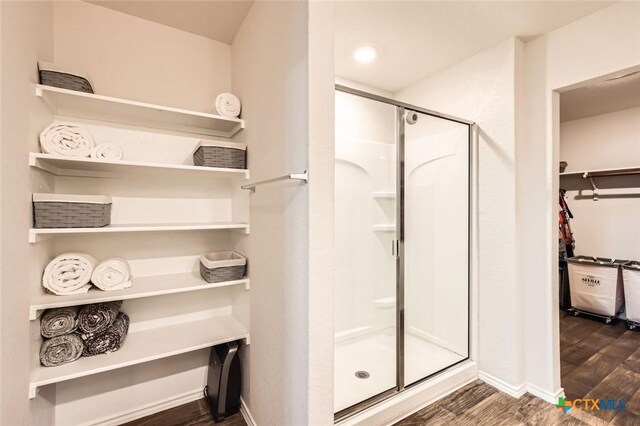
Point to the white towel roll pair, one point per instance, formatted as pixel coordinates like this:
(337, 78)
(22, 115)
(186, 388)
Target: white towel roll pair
(70, 140)
(73, 273)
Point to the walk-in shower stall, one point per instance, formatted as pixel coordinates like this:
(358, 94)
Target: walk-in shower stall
(402, 203)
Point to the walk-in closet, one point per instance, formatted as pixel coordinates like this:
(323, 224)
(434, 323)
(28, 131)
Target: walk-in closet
(599, 235)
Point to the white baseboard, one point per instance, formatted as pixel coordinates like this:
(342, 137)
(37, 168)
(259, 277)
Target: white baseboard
(415, 398)
(551, 397)
(244, 410)
(146, 410)
(501, 385)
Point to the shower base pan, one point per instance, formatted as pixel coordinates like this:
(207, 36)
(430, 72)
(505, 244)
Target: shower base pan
(375, 355)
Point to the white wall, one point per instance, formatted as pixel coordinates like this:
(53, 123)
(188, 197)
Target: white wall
(482, 89)
(26, 29)
(289, 129)
(602, 43)
(273, 39)
(321, 200)
(132, 58)
(610, 226)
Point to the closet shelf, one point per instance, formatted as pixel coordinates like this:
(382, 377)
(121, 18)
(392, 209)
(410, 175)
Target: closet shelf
(599, 173)
(89, 167)
(71, 103)
(158, 285)
(144, 346)
(37, 234)
(391, 227)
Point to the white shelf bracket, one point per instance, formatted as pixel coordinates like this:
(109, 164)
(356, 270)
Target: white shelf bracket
(33, 391)
(593, 186)
(33, 313)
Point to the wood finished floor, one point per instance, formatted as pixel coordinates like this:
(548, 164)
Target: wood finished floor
(598, 361)
(195, 413)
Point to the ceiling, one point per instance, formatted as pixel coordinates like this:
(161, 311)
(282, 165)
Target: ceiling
(415, 39)
(217, 20)
(606, 96)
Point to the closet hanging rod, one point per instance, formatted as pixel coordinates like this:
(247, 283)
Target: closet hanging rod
(304, 176)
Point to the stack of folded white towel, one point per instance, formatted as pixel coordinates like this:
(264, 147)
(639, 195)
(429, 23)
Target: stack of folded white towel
(71, 140)
(73, 273)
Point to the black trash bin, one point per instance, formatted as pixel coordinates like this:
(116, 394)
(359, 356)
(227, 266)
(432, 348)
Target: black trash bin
(224, 379)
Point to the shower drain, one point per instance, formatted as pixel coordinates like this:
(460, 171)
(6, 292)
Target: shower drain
(362, 374)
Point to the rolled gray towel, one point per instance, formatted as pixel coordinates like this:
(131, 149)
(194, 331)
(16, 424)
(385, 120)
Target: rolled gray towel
(61, 350)
(59, 321)
(96, 318)
(110, 340)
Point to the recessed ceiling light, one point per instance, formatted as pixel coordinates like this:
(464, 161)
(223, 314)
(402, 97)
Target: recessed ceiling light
(365, 54)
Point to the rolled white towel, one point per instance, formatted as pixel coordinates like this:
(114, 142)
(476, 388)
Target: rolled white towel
(107, 151)
(66, 139)
(228, 105)
(69, 273)
(112, 274)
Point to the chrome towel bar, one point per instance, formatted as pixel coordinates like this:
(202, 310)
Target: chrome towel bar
(304, 176)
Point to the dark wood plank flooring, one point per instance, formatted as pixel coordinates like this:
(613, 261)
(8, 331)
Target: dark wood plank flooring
(598, 361)
(195, 413)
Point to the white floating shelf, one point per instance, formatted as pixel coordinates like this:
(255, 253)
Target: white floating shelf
(144, 346)
(384, 195)
(36, 234)
(71, 103)
(391, 227)
(89, 167)
(141, 287)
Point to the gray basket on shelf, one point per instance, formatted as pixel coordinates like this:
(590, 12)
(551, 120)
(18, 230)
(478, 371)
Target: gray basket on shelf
(61, 211)
(225, 155)
(222, 266)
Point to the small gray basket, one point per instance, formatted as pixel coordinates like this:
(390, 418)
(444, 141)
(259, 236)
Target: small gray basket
(71, 211)
(220, 154)
(65, 81)
(222, 266)
(53, 75)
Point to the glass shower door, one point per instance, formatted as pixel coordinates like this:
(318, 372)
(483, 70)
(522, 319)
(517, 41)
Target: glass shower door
(365, 228)
(434, 244)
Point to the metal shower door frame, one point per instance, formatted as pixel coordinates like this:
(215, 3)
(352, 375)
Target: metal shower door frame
(401, 109)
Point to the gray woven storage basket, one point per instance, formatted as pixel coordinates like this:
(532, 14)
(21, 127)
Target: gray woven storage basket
(61, 213)
(65, 81)
(224, 156)
(222, 266)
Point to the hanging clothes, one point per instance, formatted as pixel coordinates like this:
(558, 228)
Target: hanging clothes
(566, 246)
(564, 216)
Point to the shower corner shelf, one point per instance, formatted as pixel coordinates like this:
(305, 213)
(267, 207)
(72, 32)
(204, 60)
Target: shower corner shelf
(384, 195)
(389, 227)
(70, 103)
